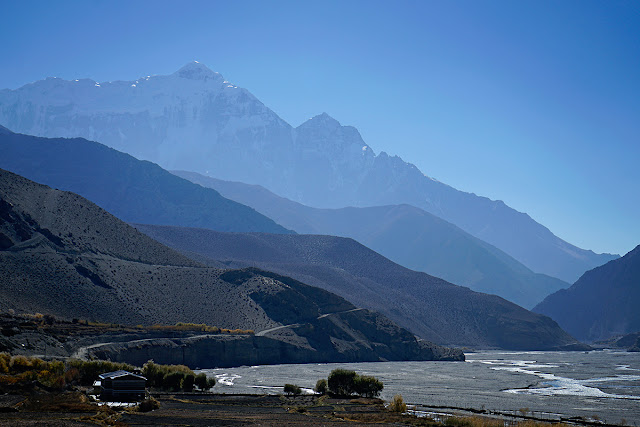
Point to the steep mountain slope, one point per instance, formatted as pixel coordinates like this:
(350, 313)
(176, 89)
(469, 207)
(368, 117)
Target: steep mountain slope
(603, 303)
(406, 235)
(430, 307)
(131, 189)
(63, 255)
(195, 120)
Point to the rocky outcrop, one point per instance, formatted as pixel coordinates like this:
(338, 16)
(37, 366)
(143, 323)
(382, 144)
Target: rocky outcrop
(220, 351)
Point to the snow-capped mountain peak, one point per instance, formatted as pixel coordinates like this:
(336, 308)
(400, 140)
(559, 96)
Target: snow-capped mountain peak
(324, 119)
(195, 120)
(197, 71)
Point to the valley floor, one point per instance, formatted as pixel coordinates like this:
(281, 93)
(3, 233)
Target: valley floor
(194, 409)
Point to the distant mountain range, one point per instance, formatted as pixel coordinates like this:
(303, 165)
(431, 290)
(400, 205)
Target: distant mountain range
(195, 120)
(430, 307)
(139, 191)
(405, 234)
(63, 255)
(602, 304)
(131, 189)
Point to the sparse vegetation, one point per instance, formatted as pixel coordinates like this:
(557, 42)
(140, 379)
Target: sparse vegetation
(19, 371)
(148, 405)
(43, 320)
(201, 327)
(397, 404)
(523, 411)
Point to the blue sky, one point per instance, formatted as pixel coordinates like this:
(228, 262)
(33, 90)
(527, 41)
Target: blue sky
(536, 103)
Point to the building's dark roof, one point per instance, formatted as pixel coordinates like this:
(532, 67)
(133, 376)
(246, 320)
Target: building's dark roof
(118, 374)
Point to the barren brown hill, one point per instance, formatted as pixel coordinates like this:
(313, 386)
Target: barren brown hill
(430, 307)
(61, 254)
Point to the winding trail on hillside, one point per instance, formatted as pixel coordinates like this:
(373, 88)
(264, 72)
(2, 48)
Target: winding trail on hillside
(83, 352)
(295, 325)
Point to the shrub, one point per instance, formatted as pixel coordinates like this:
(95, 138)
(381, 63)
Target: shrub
(397, 404)
(341, 382)
(166, 376)
(292, 389)
(5, 360)
(71, 375)
(148, 405)
(321, 386)
(367, 386)
(20, 364)
(49, 319)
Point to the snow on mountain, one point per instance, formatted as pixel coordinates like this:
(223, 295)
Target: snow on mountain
(195, 120)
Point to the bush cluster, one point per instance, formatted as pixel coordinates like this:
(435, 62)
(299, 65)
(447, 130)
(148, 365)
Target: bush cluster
(343, 382)
(17, 370)
(20, 370)
(175, 377)
(201, 327)
(88, 370)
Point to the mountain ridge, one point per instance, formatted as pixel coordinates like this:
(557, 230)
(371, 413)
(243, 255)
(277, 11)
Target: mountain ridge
(404, 234)
(602, 303)
(215, 128)
(430, 307)
(131, 189)
(65, 256)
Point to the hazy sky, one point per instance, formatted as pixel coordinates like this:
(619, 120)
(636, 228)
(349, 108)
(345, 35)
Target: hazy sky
(536, 103)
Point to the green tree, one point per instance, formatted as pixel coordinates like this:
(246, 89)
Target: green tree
(201, 381)
(292, 389)
(341, 382)
(172, 380)
(367, 386)
(321, 386)
(186, 384)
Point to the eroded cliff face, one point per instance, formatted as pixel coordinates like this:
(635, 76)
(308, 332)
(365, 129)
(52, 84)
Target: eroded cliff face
(223, 351)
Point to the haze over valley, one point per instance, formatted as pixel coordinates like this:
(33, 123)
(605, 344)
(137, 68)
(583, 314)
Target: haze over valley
(480, 208)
